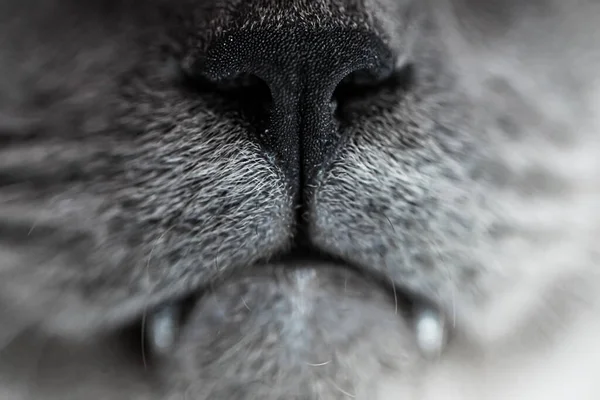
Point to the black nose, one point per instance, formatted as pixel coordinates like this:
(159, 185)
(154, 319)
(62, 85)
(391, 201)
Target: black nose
(302, 68)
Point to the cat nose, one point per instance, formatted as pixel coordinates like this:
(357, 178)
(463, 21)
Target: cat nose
(296, 72)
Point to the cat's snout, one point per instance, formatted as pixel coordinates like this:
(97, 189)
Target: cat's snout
(291, 76)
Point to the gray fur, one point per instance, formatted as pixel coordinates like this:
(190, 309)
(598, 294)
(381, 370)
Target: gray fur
(124, 187)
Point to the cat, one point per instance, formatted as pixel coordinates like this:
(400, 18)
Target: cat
(309, 199)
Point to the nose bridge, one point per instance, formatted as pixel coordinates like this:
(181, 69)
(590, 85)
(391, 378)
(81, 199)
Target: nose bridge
(302, 68)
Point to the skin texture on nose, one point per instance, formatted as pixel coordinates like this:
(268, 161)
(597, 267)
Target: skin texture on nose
(301, 69)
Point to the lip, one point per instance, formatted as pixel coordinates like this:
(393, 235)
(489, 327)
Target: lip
(308, 257)
(416, 311)
(387, 284)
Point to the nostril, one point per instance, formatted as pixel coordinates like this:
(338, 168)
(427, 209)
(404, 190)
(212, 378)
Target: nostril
(238, 82)
(246, 93)
(233, 84)
(251, 94)
(362, 84)
(367, 77)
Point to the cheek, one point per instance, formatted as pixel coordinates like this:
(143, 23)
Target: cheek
(542, 181)
(199, 194)
(416, 214)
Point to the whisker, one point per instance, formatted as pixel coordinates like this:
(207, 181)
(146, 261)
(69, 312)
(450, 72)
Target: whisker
(395, 297)
(143, 338)
(342, 390)
(319, 364)
(245, 304)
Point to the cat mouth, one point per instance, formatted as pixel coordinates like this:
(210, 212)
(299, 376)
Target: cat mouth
(428, 324)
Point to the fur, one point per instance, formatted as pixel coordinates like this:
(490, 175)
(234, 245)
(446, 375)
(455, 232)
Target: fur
(293, 177)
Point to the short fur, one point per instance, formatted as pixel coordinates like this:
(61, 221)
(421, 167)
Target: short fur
(296, 173)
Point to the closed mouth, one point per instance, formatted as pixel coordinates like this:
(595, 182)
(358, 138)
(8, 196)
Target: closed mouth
(164, 322)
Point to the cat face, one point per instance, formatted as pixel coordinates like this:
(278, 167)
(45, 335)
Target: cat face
(297, 182)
